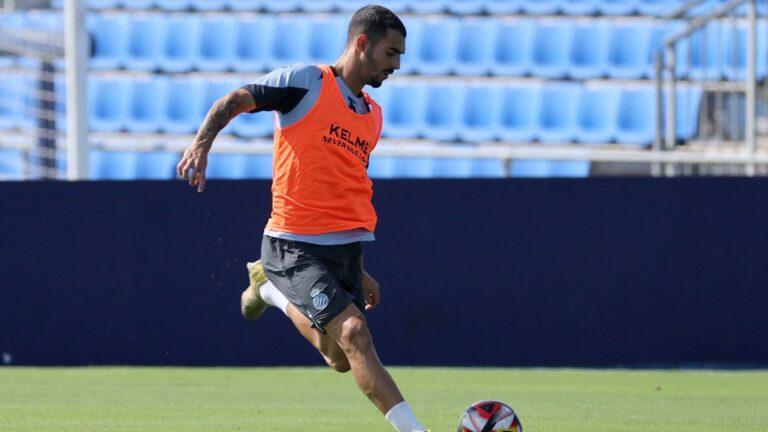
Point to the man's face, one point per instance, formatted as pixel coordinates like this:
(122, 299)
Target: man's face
(382, 58)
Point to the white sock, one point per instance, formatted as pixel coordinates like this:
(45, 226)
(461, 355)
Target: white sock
(402, 418)
(273, 296)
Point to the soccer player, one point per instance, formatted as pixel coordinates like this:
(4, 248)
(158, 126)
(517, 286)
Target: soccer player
(311, 263)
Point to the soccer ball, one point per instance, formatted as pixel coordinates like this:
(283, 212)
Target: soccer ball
(489, 416)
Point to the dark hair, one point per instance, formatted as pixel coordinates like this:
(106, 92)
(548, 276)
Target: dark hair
(374, 21)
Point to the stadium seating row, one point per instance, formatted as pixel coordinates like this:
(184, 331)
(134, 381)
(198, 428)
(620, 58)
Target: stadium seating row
(547, 7)
(160, 165)
(555, 48)
(448, 111)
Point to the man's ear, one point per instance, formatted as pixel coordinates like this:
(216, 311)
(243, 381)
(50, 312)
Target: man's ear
(361, 42)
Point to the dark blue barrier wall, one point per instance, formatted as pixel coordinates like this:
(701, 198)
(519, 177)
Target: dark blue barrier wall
(507, 272)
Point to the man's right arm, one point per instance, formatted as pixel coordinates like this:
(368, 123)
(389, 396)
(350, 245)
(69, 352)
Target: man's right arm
(195, 157)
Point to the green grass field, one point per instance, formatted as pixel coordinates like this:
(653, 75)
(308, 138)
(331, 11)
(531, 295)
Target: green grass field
(315, 399)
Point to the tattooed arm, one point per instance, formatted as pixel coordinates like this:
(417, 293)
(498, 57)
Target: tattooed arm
(195, 157)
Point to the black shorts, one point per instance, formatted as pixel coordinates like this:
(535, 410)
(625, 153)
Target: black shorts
(320, 281)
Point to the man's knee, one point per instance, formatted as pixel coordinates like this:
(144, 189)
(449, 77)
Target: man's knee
(355, 337)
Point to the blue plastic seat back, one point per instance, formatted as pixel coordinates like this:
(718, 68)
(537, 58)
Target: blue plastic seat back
(512, 48)
(433, 53)
(381, 166)
(569, 169)
(251, 125)
(258, 166)
(182, 112)
(478, 121)
(657, 7)
(519, 107)
(180, 42)
(597, 115)
(491, 168)
(108, 103)
(226, 166)
(558, 112)
(442, 111)
(688, 105)
(144, 44)
(637, 117)
(112, 165)
(628, 52)
(618, 7)
(328, 36)
(159, 165)
(540, 7)
(579, 7)
(589, 53)
(251, 44)
(530, 168)
(463, 7)
(474, 47)
(110, 38)
(414, 167)
(217, 43)
(453, 167)
(551, 49)
(288, 41)
(145, 102)
(702, 57)
(11, 101)
(209, 5)
(11, 163)
(403, 110)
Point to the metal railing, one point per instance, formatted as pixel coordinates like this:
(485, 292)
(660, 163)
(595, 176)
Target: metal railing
(726, 75)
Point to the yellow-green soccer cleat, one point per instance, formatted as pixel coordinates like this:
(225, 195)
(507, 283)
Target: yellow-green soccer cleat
(251, 303)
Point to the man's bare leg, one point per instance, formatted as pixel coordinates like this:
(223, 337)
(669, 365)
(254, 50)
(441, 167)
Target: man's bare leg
(332, 353)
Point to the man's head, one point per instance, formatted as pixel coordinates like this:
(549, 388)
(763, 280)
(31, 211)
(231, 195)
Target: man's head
(377, 37)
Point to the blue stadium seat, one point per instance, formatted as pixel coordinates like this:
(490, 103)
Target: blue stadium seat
(260, 124)
(762, 48)
(329, 6)
(173, 5)
(11, 163)
(628, 51)
(413, 42)
(145, 104)
(474, 47)
(463, 7)
(618, 7)
(496, 7)
(226, 166)
(657, 7)
(658, 34)
(519, 106)
(414, 167)
(103, 4)
(688, 106)
(180, 42)
(478, 121)
(113, 165)
(158, 165)
(209, 5)
(287, 42)
(110, 38)
(512, 48)
(557, 113)
(428, 6)
(327, 41)
(540, 7)
(569, 169)
(129, 4)
(589, 53)
(597, 115)
(251, 41)
(453, 167)
(182, 106)
(735, 52)
(530, 168)
(61, 104)
(258, 166)
(442, 110)
(700, 56)
(551, 49)
(214, 90)
(403, 110)
(11, 102)
(579, 7)
(490, 168)
(247, 5)
(381, 166)
(636, 117)
(144, 42)
(281, 5)
(432, 56)
(108, 104)
(216, 49)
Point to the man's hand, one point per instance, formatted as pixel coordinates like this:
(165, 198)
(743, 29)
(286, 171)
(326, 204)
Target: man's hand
(371, 291)
(195, 159)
